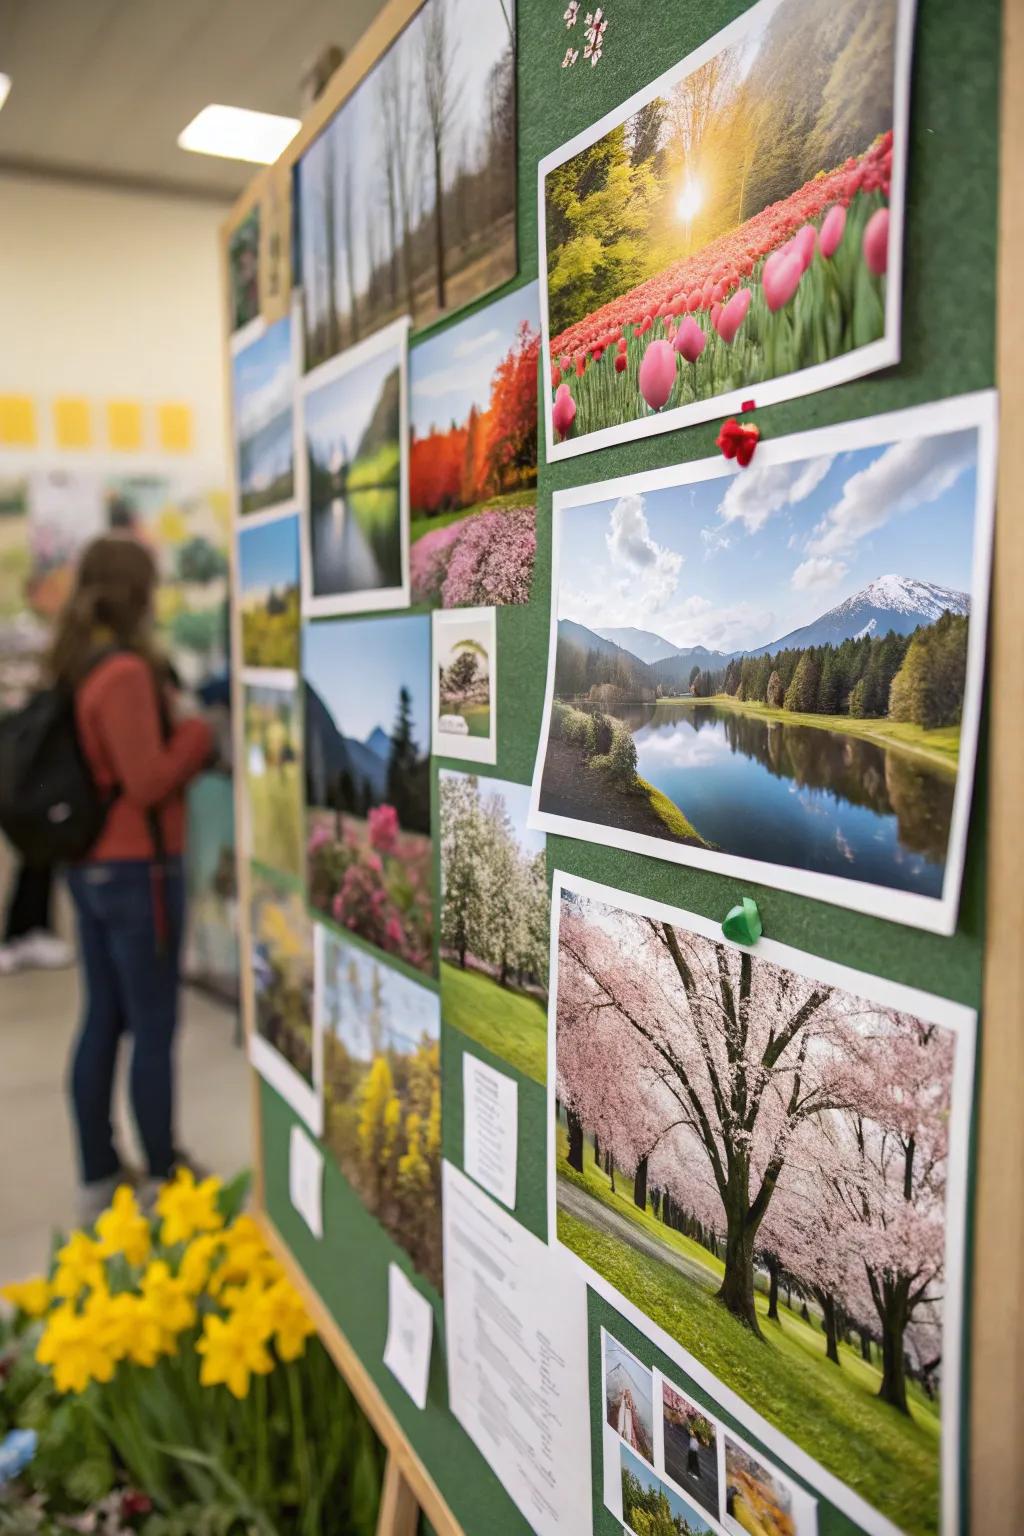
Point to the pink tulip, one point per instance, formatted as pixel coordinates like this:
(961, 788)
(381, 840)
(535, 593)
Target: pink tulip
(563, 412)
(804, 243)
(657, 374)
(689, 340)
(781, 278)
(832, 227)
(876, 242)
(733, 315)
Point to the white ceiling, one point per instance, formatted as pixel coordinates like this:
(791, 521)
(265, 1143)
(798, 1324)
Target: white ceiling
(102, 88)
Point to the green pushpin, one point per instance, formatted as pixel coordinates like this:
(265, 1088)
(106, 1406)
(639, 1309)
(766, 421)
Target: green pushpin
(743, 923)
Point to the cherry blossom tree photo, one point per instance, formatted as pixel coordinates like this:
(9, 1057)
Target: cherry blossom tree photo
(758, 1156)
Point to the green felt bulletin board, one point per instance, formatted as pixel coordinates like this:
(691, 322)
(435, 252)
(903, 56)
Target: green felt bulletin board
(948, 347)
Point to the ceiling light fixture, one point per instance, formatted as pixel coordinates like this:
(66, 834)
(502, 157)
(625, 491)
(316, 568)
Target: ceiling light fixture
(236, 133)
(5, 88)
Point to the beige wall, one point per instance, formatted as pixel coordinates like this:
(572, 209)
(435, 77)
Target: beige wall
(112, 294)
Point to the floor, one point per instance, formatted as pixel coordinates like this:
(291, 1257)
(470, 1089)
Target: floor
(38, 1012)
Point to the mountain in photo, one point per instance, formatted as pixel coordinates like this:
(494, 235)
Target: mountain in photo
(332, 756)
(891, 602)
(641, 643)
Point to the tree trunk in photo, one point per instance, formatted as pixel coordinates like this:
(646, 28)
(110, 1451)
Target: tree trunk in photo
(575, 1141)
(773, 1290)
(439, 225)
(597, 1150)
(891, 1295)
(640, 1185)
(737, 1289)
(829, 1322)
(462, 953)
(805, 1315)
(865, 1345)
(503, 973)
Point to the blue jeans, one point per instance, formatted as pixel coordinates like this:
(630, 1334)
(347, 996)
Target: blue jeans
(130, 982)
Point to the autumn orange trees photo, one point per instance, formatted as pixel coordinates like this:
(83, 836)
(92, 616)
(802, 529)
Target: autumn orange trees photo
(473, 458)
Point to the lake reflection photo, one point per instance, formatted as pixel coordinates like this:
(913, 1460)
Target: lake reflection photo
(354, 409)
(775, 672)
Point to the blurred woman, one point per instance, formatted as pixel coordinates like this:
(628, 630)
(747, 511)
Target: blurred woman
(129, 891)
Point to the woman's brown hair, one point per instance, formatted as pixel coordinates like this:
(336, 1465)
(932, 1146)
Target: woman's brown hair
(110, 604)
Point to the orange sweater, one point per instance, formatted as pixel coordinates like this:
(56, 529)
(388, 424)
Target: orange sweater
(118, 719)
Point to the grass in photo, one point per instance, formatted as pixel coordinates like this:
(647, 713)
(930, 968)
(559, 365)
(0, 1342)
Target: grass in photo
(495, 911)
(353, 434)
(781, 666)
(757, 1498)
(268, 581)
(732, 230)
(263, 375)
(282, 968)
(382, 1094)
(628, 1397)
(473, 459)
(424, 220)
(650, 1508)
(273, 775)
(764, 1153)
(690, 1440)
(368, 854)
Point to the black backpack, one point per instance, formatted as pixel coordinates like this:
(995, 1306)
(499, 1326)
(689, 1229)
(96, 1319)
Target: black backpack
(50, 807)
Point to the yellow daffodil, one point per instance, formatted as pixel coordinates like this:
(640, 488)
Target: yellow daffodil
(248, 1303)
(246, 1257)
(187, 1207)
(168, 1298)
(197, 1261)
(232, 1352)
(285, 1310)
(71, 1345)
(124, 1229)
(30, 1297)
(79, 1267)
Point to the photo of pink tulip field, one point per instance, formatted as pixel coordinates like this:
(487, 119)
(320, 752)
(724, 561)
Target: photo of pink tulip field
(735, 228)
(762, 1155)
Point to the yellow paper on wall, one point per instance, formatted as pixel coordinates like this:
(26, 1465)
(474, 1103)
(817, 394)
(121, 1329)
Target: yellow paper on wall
(174, 427)
(124, 425)
(18, 421)
(72, 422)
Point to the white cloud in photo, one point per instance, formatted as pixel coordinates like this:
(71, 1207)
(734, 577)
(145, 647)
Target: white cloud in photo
(755, 494)
(743, 626)
(816, 573)
(633, 552)
(476, 343)
(906, 476)
(261, 404)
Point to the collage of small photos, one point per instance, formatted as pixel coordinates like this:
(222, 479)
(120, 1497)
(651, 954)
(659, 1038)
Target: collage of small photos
(764, 665)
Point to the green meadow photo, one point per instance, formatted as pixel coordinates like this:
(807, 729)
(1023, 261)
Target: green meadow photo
(268, 582)
(273, 775)
(494, 920)
(764, 1155)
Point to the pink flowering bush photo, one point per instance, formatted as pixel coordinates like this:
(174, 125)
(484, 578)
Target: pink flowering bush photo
(374, 880)
(734, 229)
(482, 561)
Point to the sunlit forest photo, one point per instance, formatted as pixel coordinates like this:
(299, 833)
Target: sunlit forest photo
(273, 776)
(733, 229)
(382, 1095)
(427, 223)
(268, 582)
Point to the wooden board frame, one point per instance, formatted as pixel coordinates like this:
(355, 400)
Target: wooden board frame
(994, 1464)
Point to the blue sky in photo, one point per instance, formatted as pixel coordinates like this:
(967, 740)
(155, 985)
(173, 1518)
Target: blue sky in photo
(517, 804)
(338, 413)
(268, 555)
(408, 1011)
(739, 561)
(357, 667)
(452, 372)
(263, 378)
(648, 1479)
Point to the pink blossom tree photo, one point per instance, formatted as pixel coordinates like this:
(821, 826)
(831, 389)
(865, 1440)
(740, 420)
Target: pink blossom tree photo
(759, 1159)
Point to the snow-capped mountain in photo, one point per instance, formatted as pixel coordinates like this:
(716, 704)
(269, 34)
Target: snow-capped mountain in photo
(890, 602)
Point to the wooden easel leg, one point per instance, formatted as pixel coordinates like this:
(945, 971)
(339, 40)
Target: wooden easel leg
(399, 1512)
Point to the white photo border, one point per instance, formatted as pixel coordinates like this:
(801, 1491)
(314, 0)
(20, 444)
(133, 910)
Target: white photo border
(961, 1021)
(936, 914)
(883, 353)
(464, 749)
(392, 337)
